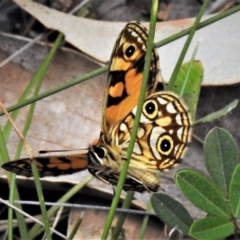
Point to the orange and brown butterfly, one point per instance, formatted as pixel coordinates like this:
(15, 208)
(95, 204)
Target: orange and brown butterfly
(164, 129)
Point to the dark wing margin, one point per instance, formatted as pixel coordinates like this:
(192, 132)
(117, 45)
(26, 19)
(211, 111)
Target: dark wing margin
(48, 165)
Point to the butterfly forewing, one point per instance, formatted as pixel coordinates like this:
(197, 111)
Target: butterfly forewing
(126, 74)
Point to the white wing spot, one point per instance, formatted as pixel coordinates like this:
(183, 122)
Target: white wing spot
(170, 108)
(139, 40)
(141, 132)
(176, 149)
(156, 132)
(179, 119)
(137, 148)
(162, 101)
(123, 127)
(180, 133)
(134, 34)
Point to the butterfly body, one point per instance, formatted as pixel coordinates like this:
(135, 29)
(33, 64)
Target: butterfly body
(163, 133)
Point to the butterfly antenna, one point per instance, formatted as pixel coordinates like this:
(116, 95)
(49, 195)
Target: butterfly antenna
(54, 151)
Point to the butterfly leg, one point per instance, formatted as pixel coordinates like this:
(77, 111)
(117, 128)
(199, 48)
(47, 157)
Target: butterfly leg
(105, 175)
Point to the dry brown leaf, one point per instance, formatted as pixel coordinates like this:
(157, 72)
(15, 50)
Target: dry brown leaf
(95, 38)
(219, 50)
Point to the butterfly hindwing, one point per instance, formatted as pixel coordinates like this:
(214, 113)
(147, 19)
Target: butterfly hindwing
(163, 134)
(48, 165)
(167, 125)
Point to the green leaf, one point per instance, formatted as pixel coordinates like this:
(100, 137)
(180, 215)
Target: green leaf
(211, 228)
(222, 112)
(201, 192)
(234, 192)
(171, 212)
(221, 157)
(188, 84)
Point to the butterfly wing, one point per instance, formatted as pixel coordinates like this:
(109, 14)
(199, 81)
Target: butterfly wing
(126, 74)
(49, 165)
(163, 135)
(131, 183)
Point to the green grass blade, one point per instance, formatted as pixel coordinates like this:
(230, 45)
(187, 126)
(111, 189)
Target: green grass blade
(41, 200)
(122, 216)
(57, 89)
(203, 24)
(38, 77)
(37, 80)
(145, 223)
(40, 74)
(186, 46)
(75, 228)
(125, 165)
(8, 127)
(37, 229)
(29, 89)
(4, 157)
(188, 80)
(220, 113)
(20, 218)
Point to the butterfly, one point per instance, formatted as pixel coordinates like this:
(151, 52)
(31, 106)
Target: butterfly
(163, 133)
